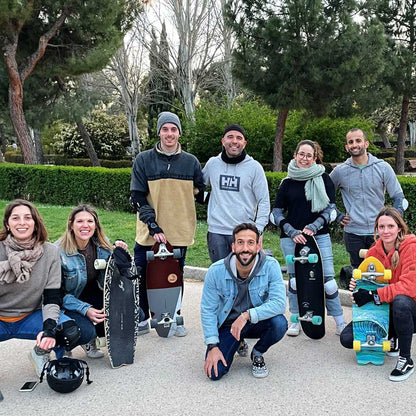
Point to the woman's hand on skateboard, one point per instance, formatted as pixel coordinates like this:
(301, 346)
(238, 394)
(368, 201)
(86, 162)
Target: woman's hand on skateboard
(96, 316)
(121, 243)
(211, 362)
(299, 239)
(352, 287)
(309, 232)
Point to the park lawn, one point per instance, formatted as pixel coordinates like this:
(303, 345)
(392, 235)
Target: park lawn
(122, 225)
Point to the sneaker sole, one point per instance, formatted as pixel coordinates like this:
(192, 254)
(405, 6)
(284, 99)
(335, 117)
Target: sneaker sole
(264, 375)
(403, 377)
(292, 334)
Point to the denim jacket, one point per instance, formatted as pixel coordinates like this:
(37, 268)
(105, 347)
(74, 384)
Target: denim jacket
(74, 278)
(267, 294)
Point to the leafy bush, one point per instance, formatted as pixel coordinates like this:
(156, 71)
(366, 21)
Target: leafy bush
(109, 135)
(110, 188)
(203, 138)
(328, 132)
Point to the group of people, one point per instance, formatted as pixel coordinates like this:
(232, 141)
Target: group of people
(52, 293)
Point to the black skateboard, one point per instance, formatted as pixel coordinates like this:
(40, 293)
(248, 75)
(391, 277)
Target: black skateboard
(310, 288)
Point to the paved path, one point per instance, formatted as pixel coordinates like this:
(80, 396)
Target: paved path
(306, 378)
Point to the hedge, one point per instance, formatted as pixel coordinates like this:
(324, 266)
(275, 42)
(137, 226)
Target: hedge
(110, 188)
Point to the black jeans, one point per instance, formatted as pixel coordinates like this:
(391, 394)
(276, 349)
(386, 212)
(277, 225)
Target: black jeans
(354, 243)
(402, 325)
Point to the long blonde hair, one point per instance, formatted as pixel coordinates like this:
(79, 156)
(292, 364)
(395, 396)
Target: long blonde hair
(68, 241)
(391, 212)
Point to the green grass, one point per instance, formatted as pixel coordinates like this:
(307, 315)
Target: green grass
(123, 225)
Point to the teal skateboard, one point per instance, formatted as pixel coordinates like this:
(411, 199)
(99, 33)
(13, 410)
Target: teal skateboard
(370, 322)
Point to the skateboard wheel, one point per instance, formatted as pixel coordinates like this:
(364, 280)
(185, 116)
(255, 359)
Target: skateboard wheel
(356, 345)
(362, 253)
(177, 254)
(387, 274)
(313, 258)
(100, 264)
(294, 318)
(317, 320)
(356, 274)
(386, 346)
(290, 259)
(179, 320)
(150, 255)
(153, 323)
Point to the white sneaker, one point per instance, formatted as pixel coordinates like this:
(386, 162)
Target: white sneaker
(38, 361)
(294, 329)
(340, 328)
(91, 350)
(180, 331)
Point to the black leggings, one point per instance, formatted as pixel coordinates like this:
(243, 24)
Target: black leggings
(402, 325)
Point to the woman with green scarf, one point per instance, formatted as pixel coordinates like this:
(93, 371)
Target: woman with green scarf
(305, 204)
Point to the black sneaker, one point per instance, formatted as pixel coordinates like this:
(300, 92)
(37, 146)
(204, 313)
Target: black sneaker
(394, 348)
(243, 349)
(259, 369)
(404, 368)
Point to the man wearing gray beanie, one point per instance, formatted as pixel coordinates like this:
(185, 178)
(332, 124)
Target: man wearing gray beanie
(168, 117)
(165, 183)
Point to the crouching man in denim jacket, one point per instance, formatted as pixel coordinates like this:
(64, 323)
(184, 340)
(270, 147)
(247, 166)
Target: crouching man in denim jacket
(243, 297)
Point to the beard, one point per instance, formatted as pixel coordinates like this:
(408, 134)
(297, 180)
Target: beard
(245, 262)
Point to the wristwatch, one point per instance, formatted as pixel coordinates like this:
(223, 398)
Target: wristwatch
(211, 346)
(376, 297)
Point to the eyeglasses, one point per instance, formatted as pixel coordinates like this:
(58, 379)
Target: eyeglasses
(306, 156)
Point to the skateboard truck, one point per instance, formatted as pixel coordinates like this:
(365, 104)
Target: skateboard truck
(166, 321)
(371, 342)
(163, 253)
(307, 317)
(305, 257)
(371, 274)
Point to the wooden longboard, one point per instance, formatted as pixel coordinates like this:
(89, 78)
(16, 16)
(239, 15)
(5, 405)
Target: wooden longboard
(164, 288)
(371, 322)
(309, 287)
(121, 306)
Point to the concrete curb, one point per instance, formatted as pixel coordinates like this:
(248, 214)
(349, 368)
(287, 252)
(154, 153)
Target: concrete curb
(198, 273)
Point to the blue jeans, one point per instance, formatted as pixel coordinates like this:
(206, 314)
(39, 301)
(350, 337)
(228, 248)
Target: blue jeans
(333, 303)
(87, 328)
(270, 331)
(140, 261)
(29, 328)
(219, 246)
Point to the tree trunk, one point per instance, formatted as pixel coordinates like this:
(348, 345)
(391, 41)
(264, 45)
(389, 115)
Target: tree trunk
(381, 130)
(19, 123)
(2, 143)
(134, 134)
(278, 140)
(88, 143)
(38, 146)
(401, 138)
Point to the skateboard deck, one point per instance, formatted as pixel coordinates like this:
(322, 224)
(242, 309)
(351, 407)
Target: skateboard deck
(309, 287)
(371, 322)
(164, 288)
(121, 306)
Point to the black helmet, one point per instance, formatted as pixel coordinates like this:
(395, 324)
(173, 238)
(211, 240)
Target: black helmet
(65, 374)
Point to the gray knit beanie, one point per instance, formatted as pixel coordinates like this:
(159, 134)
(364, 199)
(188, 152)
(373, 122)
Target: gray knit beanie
(168, 117)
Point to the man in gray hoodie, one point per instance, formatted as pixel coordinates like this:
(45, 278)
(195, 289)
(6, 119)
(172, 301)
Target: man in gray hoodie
(363, 180)
(239, 192)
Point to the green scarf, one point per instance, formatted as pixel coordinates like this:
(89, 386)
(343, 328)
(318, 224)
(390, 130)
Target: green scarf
(314, 188)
